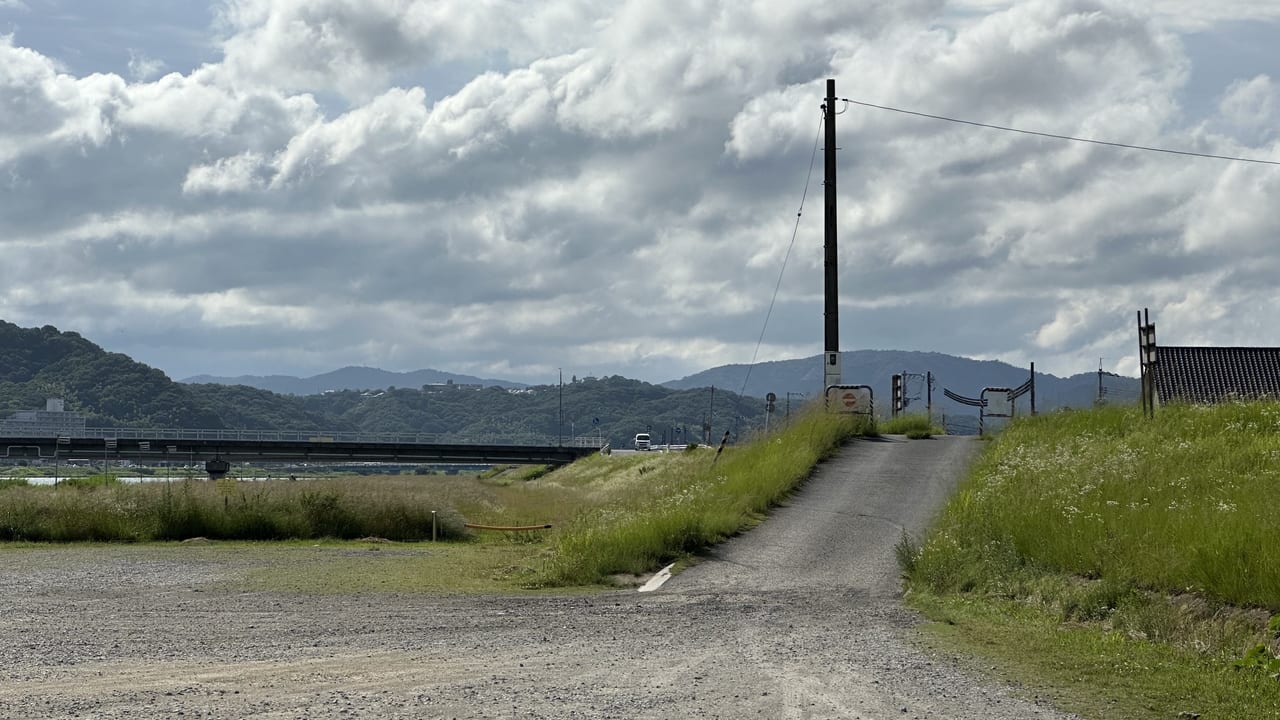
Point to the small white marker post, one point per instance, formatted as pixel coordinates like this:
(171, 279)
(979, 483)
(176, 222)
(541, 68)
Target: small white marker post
(433, 526)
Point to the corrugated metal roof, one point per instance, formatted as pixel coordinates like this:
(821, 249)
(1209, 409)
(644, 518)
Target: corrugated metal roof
(1215, 374)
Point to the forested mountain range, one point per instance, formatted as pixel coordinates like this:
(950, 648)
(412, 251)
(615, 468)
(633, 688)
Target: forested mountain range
(112, 390)
(802, 378)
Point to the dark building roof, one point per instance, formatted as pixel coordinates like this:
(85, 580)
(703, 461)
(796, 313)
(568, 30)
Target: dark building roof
(1214, 374)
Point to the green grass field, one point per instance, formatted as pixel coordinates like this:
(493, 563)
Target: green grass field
(1099, 533)
(1183, 503)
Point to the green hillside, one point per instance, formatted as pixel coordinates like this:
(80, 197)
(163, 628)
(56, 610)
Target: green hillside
(107, 388)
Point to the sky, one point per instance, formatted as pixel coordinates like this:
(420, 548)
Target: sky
(517, 190)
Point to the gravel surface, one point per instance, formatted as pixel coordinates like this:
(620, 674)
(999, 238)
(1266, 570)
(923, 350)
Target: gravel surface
(797, 619)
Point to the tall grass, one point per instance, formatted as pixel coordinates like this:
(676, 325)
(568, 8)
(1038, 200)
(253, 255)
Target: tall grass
(914, 426)
(391, 508)
(664, 506)
(1185, 502)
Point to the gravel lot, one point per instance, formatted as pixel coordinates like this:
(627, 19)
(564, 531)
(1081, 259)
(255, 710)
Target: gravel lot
(796, 619)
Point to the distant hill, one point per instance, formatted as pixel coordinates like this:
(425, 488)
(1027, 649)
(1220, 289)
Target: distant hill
(350, 378)
(615, 408)
(963, 376)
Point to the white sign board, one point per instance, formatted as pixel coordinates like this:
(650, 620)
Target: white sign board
(831, 369)
(999, 402)
(854, 399)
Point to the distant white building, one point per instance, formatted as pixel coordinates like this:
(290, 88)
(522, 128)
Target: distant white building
(450, 385)
(53, 421)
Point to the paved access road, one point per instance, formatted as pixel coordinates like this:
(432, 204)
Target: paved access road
(797, 619)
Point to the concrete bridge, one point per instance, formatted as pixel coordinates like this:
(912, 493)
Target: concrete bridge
(218, 447)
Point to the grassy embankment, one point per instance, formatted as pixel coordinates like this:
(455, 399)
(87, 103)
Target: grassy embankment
(659, 513)
(1130, 568)
(610, 515)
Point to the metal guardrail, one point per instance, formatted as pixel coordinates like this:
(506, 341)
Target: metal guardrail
(315, 436)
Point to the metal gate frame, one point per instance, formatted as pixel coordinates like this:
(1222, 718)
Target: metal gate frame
(983, 414)
(871, 395)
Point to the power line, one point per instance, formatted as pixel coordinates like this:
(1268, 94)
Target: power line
(1062, 137)
(795, 231)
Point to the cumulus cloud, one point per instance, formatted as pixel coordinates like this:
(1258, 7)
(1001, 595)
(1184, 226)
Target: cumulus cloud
(240, 173)
(1186, 15)
(354, 46)
(43, 107)
(618, 186)
(1252, 106)
(142, 68)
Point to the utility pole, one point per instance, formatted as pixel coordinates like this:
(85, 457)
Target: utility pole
(1033, 389)
(1146, 361)
(1100, 390)
(928, 384)
(560, 425)
(831, 307)
(711, 415)
(789, 394)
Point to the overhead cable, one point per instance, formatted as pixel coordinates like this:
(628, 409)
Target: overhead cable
(1063, 137)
